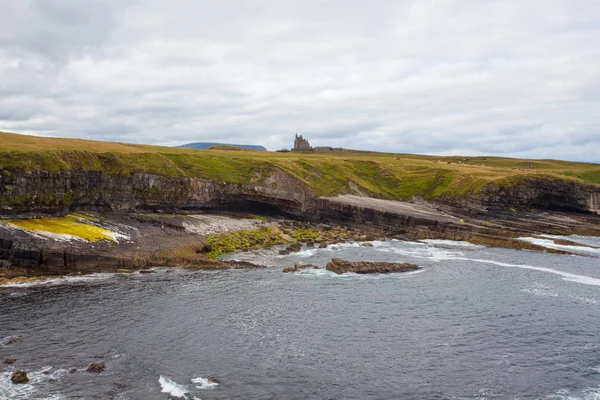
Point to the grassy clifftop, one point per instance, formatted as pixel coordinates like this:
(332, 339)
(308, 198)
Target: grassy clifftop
(392, 176)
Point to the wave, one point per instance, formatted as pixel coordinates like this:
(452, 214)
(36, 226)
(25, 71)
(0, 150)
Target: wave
(585, 240)
(323, 273)
(431, 253)
(29, 390)
(566, 394)
(174, 389)
(439, 254)
(62, 280)
(549, 244)
(567, 276)
(452, 243)
(305, 253)
(203, 383)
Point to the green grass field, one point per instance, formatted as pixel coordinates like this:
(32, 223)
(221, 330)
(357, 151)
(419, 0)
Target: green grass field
(385, 175)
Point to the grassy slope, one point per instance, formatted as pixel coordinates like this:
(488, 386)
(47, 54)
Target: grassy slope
(394, 176)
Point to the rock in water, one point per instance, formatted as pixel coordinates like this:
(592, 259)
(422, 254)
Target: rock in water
(292, 248)
(212, 379)
(364, 267)
(10, 361)
(19, 377)
(298, 267)
(96, 367)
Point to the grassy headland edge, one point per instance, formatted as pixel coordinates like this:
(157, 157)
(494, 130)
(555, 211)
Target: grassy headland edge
(382, 175)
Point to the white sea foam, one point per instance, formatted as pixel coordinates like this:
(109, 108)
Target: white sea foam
(408, 274)
(549, 244)
(585, 240)
(27, 391)
(174, 389)
(432, 253)
(323, 273)
(541, 291)
(306, 253)
(583, 279)
(437, 254)
(62, 280)
(452, 243)
(203, 383)
(565, 394)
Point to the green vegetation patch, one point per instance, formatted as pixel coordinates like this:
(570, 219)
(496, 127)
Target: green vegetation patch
(229, 242)
(73, 225)
(589, 176)
(300, 234)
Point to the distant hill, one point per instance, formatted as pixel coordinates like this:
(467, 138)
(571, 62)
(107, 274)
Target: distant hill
(206, 145)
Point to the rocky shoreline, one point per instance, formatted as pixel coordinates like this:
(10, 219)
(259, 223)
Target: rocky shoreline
(138, 241)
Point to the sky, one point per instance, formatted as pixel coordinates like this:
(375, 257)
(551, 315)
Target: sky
(495, 77)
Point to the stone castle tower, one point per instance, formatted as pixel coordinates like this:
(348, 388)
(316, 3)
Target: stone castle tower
(301, 144)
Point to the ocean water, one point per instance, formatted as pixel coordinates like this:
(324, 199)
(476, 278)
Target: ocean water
(473, 323)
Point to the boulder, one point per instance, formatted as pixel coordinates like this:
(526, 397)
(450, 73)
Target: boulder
(96, 367)
(212, 379)
(340, 266)
(19, 377)
(292, 248)
(367, 244)
(298, 267)
(10, 361)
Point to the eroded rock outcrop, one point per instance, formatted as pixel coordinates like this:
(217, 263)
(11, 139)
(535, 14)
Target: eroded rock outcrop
(96, 367)
(299, 267)
(23, 192)
(340, 266)
(19, 377)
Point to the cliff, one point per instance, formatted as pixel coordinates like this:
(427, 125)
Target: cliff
(483, 200)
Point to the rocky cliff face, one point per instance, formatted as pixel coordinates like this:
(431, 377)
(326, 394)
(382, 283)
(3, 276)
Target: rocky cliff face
(540, 193)
(26, 192)
(55, 192)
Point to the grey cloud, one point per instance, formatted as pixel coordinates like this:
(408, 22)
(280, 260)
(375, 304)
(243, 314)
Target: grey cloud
(504, 77)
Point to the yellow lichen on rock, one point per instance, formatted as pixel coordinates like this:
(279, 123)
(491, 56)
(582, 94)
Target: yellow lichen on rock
(70, 226)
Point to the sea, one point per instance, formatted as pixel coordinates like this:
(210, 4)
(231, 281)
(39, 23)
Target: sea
(473, 323)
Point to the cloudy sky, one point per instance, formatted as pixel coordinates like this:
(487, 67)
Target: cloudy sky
(503, 77)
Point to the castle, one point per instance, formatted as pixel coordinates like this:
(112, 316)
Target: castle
(301, 144)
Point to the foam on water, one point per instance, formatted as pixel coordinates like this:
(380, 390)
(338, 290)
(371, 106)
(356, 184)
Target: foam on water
(174, 389)
(62, 280)
(323, 273)
(567, 276)
(452, 243)
(566, 394)
(542, 291)
(586, 240)
(436, 254)
(549, 244)
(29, 390)
(203, 383)
(306, 253)
(429, 252)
